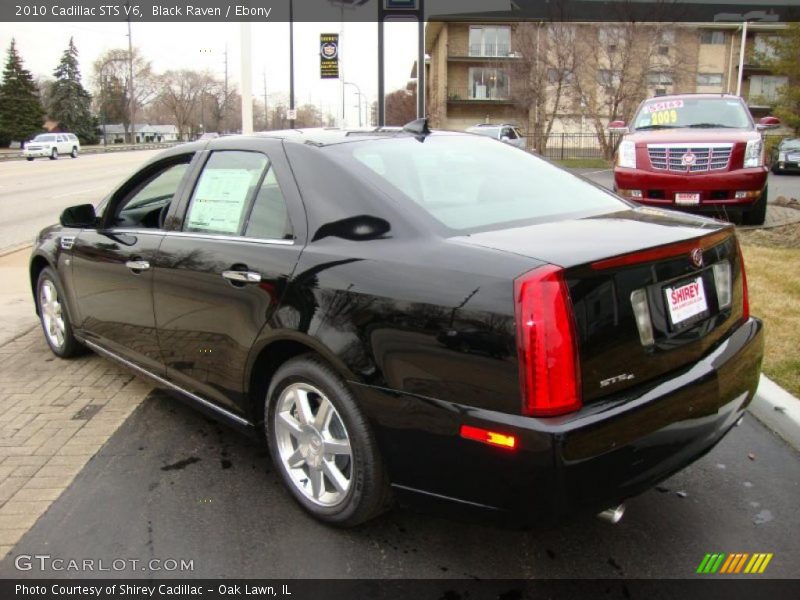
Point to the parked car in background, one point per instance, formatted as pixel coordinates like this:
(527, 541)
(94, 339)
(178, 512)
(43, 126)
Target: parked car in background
(694, 152)
(424, 315)
(510, 134)
(787, 157)
(52, 145)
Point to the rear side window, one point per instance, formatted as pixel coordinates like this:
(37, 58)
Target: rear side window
(469, 183)
(268, 218)
(220, 200)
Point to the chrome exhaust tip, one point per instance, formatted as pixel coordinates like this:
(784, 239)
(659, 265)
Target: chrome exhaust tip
(612, 515)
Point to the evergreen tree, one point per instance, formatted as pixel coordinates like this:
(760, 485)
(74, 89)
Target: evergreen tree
(21, 113)
(69, 102)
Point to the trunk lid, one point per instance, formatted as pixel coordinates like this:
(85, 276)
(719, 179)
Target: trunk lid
(666, 260)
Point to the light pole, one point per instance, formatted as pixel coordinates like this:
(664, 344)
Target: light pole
(358, 91)
(291, 62)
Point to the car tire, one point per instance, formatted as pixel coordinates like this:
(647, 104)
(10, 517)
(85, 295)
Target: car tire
(757, 214)
(322, 446)
(74, 153)
(54, 316)
(54, 154)
(29, 158)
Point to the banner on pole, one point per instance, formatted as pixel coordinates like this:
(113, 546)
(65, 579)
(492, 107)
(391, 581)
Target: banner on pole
(329, 56)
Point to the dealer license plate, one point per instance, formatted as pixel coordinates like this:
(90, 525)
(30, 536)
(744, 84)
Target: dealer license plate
(686, 300)
(687, 198)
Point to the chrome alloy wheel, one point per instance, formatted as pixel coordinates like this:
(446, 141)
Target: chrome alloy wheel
(313, 444)
(52, 316)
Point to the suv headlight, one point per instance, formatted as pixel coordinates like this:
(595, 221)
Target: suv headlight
(626, 155)
(752, 154)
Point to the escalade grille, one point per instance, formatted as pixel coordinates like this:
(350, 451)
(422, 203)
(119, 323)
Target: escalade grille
(689, 158)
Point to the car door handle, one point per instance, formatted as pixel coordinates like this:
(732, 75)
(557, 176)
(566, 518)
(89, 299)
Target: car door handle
(242, 276)
(137, 265)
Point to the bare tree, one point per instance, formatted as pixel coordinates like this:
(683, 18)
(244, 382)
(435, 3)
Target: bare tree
(617, 65)
(181, 95)
(111, 81)
(543, 76)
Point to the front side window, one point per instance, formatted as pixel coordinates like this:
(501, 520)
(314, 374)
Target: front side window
(488, 84)
(489, 41)
(220, 199)
(144, 203)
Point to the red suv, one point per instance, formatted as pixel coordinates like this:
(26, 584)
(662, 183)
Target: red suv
(694, 152)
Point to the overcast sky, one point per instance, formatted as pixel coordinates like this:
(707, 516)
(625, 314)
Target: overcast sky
(202, 46)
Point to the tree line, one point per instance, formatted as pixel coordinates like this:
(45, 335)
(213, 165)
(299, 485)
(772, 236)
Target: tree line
(194, 101)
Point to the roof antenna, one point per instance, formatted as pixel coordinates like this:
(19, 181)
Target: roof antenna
(417, 127)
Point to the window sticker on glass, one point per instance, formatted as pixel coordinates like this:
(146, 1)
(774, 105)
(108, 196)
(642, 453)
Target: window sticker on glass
(664, 105)
(219, 200)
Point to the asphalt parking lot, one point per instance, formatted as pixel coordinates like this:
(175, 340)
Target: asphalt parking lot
(171, 484)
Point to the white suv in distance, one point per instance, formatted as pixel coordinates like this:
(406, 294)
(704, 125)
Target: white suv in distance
(51, 145)
(510, 134)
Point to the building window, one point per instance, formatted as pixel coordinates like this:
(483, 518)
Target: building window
(712, 36)
(709, 79)
(489, 41)
(608, 78)
(659, 79)
(564, 76)
(667, 37)
(610, 38)
(488, 84)
(766, 87)
(765, 46)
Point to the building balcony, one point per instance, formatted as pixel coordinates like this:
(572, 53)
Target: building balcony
(478, 94)
(485, 53)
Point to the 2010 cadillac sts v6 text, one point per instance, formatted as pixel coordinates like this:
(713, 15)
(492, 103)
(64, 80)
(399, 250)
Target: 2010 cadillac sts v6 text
(406, 313)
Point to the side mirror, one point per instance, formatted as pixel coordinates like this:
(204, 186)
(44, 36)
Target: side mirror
(82, 215)
(768, 123)
(617, 127)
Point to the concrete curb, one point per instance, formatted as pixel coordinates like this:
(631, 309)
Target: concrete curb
(13, 249)
(778, 410)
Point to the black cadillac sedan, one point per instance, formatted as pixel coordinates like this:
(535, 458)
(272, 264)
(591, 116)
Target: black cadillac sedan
(413, 314)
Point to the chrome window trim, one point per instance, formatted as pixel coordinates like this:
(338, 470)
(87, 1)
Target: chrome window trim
(198, 235)
(109, 354)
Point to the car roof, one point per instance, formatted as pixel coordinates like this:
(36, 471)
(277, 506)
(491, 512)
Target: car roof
(328, 136)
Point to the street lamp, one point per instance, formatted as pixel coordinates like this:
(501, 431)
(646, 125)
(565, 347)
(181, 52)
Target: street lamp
(358, 91)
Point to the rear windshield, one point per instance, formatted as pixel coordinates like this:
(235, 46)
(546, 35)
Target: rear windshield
(692, 112)
(790, 145)
(44, 138)
(470, 183)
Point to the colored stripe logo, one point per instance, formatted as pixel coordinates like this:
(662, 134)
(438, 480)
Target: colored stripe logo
(734, 563)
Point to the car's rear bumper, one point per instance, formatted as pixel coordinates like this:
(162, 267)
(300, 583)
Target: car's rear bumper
(586, 461)
(716, 190)
(786, 167)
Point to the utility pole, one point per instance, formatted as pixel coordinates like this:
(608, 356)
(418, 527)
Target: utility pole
(741, 59)
(266, 111)
(131, 100)
(291, 61)
(225, 91)
(247, 79)
(421, 62)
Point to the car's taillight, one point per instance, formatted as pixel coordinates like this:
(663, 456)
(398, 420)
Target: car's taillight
(547, 343)
(745, 296)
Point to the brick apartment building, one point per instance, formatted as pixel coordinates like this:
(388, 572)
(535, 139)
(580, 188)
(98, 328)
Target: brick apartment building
(474, 70)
